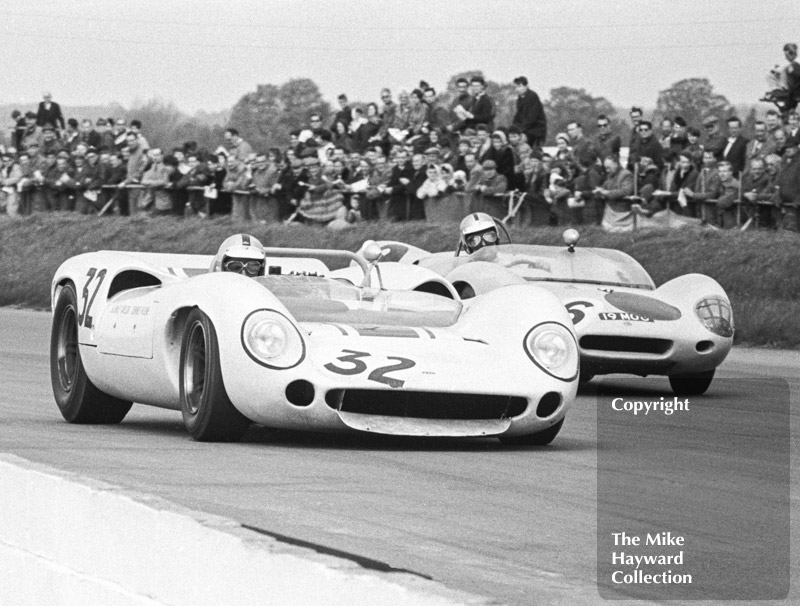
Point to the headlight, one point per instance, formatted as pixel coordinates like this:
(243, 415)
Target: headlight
(552, 348)
(272, 340)
(716, 315)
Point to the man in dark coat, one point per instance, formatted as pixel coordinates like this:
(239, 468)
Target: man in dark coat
(788, 187)
(634, 141)
(606, 143)
(464, 100)
(735, 150)
(714, 140)
(49, 112)
(344, 115)
(530, 117)
(646, 145)
(482, 110)
(397, 187)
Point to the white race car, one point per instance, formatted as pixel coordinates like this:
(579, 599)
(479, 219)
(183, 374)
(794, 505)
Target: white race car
(300, 348)
(683, 329)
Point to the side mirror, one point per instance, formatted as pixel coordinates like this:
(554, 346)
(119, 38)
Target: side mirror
(372, 251)
(571, 237)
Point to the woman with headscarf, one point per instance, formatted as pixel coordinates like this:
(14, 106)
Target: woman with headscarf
(564, 151)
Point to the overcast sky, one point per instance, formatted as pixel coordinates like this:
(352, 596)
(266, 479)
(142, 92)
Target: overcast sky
(205, 54)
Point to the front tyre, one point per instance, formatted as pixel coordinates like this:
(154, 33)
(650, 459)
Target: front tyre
(78, 399)
(207, 411)
(540, 438)
(694, 384)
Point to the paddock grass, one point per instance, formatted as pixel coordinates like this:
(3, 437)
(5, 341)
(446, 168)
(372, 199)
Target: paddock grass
(759, 270)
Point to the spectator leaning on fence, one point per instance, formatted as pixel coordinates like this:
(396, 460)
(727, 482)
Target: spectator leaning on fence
(491, 185)
(137, 163)
(757, 193)
(617, 187)
(707, 190)
(684, 182)
(237, 184)
(156, 199)
(728, 196)
(10, 175)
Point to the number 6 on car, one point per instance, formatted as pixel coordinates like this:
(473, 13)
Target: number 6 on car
(304, 347)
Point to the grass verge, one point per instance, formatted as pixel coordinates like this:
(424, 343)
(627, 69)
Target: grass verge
(760, 271)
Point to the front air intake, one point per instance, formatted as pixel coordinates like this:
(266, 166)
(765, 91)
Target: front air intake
(425, 405)
(626, 344)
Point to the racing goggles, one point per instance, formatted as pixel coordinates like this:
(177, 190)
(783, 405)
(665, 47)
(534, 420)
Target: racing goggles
(249, 268)
(484, 238)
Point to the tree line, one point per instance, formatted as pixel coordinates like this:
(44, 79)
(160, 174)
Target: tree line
(267, 115)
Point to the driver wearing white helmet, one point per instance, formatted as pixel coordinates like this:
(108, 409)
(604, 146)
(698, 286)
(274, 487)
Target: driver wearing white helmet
(478, 230)
(241, 254)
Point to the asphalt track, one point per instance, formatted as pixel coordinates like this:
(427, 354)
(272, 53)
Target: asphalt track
(517, 524)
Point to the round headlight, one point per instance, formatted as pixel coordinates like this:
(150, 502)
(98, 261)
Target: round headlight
(552, 348)
(716, 315)
(267, 338)
(272, 340)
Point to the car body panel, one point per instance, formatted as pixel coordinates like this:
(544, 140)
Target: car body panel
(359, 341)
(624, 323)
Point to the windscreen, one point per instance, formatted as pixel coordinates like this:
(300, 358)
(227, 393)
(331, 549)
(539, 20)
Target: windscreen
(316, 299)
(533, 263)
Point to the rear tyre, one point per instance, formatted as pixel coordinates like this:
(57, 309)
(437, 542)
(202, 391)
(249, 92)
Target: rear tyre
(207, 411)
(692, 384)
(541, 438)
(78, 399)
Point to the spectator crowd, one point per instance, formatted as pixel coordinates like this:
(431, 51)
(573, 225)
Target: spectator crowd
(413, 158)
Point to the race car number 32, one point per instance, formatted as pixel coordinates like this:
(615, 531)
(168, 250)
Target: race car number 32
(353, 364)
(84, 319)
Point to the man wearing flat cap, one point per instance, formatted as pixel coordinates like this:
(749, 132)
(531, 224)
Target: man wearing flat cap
(32, 131)
(529, 117)
(490, 186)
(714, 140)
(432, 155)
(49, 112)
(49, 141)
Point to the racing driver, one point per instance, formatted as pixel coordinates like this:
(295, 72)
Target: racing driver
(478, 230)
(241, 254)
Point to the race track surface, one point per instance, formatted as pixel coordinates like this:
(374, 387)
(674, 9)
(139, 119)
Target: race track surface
(516, 524)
